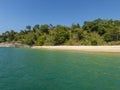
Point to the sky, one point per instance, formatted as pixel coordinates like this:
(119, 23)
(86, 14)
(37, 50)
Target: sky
(16, 14)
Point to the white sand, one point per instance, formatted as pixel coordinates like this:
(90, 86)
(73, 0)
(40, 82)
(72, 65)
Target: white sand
(82, 48)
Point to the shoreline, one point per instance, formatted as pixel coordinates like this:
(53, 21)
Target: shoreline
(104, 49)
(14, 45)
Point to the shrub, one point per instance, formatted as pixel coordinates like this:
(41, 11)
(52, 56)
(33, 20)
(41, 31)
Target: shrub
(94, 42)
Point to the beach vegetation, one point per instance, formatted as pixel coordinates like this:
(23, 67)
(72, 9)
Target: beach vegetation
(96, 32)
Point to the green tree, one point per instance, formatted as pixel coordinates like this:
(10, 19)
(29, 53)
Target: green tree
(93, 42)
(29, 39)
(108, 37)
(44, 28)
(1, 39)
(12, 35)
(36, 27)
(41, 40)
(4, 37)
(28, 27)
(60, 35)
(74, 26)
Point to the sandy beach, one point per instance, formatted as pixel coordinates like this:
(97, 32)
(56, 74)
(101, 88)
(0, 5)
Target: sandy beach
(113, 49)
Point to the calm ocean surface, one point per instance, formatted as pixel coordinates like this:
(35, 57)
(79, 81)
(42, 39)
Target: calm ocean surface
(28, 69)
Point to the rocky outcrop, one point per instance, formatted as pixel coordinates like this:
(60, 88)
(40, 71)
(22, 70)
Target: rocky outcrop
(17, 45)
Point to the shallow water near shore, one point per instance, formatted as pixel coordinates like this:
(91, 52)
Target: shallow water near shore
(29, 69)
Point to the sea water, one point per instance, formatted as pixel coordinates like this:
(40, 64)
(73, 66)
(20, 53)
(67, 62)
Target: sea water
(30, 69)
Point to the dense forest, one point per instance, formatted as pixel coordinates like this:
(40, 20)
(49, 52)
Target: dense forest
(96, 32)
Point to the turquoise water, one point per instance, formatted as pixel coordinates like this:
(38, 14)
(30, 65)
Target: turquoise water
(28, 69)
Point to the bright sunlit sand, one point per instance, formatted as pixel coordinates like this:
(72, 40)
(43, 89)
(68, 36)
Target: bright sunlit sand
(82, 48)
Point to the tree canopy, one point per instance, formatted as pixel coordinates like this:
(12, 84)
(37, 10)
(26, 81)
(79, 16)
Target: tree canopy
(96, 32)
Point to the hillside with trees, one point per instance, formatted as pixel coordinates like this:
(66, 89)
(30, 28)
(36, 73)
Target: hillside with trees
(96, 32)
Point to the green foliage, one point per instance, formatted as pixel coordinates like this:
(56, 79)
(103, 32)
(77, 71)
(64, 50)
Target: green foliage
(36, 27)
(11, 35)
(108, 37)
(96, 32)
(60, 35)
(75, 26)
(41, 40)
(28, 27)
(28, 42)
(44, 28)
(94, 42)
(1, 40)
(29, 39)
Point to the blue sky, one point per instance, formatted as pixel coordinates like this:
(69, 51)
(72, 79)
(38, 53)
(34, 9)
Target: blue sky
(16, 14)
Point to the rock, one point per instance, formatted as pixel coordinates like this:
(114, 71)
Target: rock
(17, 45)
